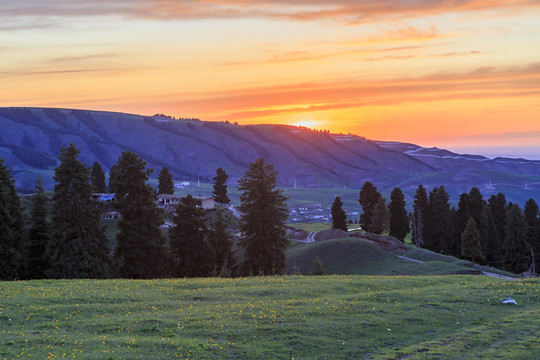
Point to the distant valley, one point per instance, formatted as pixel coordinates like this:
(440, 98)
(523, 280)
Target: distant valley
(31, 138)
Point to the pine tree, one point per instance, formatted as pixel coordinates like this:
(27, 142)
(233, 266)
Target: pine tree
(191, 251)
(462, 217)
(12, 237)
(264, 213)
(165, 181)
(39, 234)
(222, 242)
(440, 236)
(97, 178)
(369, 196)
(478, 211)
(516, 250)
(140, 251)
(318, 267)
(421, 216)
(339, 218)
(220, 189)
(497, 208)
(379, 218)
(471, 247)
(531, 213)
(399, 221)
(77, 246)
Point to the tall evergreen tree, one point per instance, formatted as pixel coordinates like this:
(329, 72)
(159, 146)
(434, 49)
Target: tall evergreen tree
(463, 214)
(497, 208)
(471, 247)
(531, 213)
(264, 213)
(421, 217)
(478, 210)
(12, 237)
(97, 177)
(192, 253)
(220, 189)
(516, 250)
(140, 251)
(369, 197)
(221, 240)
(379, 217)
(39, 234)
(440, 235)
(399, 221)
(165, 181)
(77, 246)
(339, 218)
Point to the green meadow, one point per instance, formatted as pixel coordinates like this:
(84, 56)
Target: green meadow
(286, 317)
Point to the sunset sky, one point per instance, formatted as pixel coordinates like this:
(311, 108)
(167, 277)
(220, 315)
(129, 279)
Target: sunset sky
(463, 75)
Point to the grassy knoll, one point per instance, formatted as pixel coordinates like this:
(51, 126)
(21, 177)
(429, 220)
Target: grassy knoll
(362, 257)
(301, 317)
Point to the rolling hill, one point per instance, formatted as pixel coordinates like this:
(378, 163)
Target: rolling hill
(31, 138)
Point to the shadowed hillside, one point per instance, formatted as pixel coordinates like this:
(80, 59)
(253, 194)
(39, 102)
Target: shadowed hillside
(31, 139)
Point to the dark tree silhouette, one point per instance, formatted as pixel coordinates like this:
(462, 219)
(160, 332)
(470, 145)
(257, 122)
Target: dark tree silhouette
(471, 247)
(77, 246)
(264, 213)
(39, 234)
(97, 177)
(399, 221)
(339, 218)
(369, 196)
(516, 250)
(165, 181)
(140, 251)
(192, 253)
(11, 228)
(220, 189)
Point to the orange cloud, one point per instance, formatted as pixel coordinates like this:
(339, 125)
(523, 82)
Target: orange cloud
(348, 93)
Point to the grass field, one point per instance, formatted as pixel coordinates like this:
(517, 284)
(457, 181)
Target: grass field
(300, 317)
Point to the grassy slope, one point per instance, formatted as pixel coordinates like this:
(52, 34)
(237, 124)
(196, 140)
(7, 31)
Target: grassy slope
(358, 256)
(328, 317)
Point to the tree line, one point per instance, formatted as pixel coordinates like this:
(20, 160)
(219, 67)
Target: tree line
(493, 232)
(70, 242)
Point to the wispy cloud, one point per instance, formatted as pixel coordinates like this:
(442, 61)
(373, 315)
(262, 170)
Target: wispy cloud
(351, 93)
(351, 11)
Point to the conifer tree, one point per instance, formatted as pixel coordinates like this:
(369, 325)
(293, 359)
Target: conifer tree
(222, 242)
(379, 217)
(140, 251)
(165, 181)
(39, 234)
(440, 235)
(497, 209)
(463, 214)
(471, 247)
(516, 250)
(531, 214)
(339, 218)
(77, 246)
(421, 217)
(97, 178)
(12, 237)
(369, 196)
(220, 189)
(191, 251)
(264, 213)
(399, 221)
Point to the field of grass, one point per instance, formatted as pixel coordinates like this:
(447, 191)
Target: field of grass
(300, 317)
